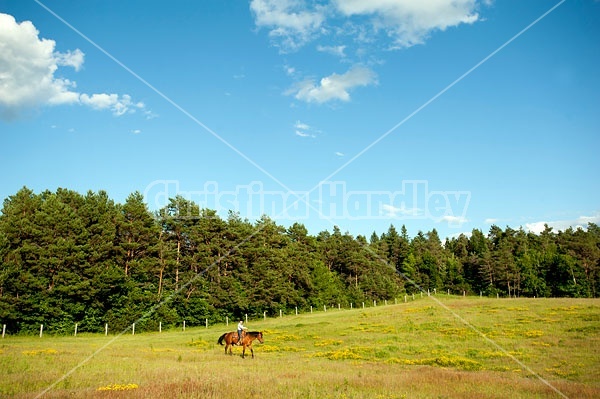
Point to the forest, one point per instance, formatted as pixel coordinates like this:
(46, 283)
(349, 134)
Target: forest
(69, 258)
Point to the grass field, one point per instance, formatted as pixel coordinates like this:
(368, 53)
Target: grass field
(435, 347)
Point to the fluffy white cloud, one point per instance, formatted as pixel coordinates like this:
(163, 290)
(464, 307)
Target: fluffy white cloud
(119, 105)
(27, 74)
(580, 222)
(334, 86)
(291, 22)
(409, 22)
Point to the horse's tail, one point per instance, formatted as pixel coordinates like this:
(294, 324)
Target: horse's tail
(220, 341)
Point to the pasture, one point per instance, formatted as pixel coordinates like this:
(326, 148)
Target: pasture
(434, 347)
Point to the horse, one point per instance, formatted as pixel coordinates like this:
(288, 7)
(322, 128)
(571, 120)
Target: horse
(231, 338)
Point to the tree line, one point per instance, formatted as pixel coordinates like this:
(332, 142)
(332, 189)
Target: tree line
(69, 258)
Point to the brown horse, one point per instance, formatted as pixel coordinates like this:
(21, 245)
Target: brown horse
(231, 338)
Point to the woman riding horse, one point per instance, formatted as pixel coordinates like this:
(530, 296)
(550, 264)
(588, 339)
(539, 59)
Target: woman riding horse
(231, 338)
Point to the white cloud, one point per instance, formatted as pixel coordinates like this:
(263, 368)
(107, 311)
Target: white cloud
(392, 211)
(136, 131)
(27, 74)
(454, 220)
(409, 22)
(292, 24)
(580, 222)
(491, 221)
(334, 86)
(119, 105)
(73, 59)
(339, 154)
(334, 50)
(304, 130)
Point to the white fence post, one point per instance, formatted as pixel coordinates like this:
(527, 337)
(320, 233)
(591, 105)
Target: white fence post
(206, 322)
(184, 325)
(246, 316)
(265, 315)
(3, 330)
(296, 310)
(75, 329)
(41, 330)
(133, 329)
(226, 320)
(106, 329)
(324, 308)
(280, 313)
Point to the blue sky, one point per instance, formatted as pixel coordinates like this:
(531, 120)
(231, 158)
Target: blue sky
(375, 113)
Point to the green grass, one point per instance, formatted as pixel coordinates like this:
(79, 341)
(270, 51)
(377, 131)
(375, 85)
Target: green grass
(447, 347)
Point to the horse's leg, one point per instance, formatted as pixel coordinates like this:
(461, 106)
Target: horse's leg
(244, 352)
(252, 351)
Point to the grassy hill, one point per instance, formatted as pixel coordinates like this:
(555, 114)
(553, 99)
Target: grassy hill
(434, 347)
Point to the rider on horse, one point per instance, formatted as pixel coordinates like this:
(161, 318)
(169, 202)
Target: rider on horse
(240, 331)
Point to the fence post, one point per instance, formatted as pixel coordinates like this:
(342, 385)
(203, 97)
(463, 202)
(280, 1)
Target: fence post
(41, 330)
(206, 322)
(296, 310)
(106, 329)
(351, 305)
(324, 308)
(184, 325)
(75, 329)
(226, 320)
(3, 330)
(428, 293)
(160, 326)
(133, 329)
(363, 305)
(413, 296)
(280, 313)
(265, 315)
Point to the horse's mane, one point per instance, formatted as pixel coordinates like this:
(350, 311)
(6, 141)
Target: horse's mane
(254, 333)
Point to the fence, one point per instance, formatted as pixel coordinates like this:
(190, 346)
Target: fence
(281, 313)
